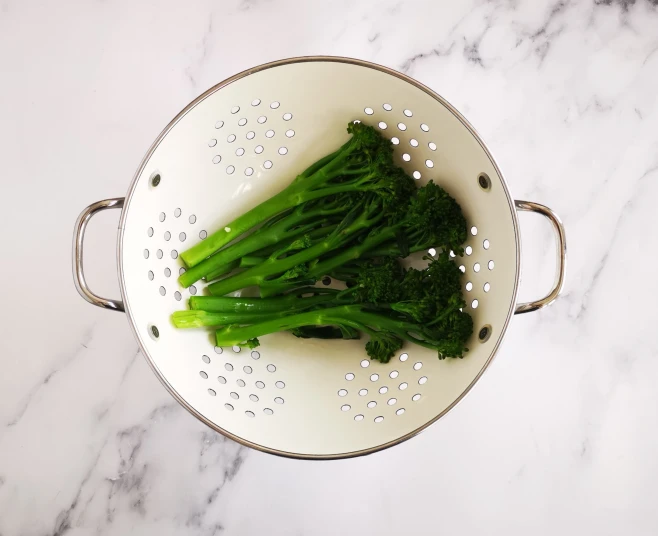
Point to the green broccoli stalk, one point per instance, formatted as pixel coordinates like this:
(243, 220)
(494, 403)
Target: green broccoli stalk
(222, 270)
(326, 332)
(213, 311)
(285, 264)
(297, 222)
(433, 219)
(386, 302)
(360, 165)
(200, 319)
(260, 255)
(238, 304)
(249, 261)
(386, 333)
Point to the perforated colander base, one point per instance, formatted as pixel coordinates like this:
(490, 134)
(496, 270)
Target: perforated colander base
(234, 147)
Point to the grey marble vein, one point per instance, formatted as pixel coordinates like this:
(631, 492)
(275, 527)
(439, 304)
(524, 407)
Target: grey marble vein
(25, 404)
(203, 51)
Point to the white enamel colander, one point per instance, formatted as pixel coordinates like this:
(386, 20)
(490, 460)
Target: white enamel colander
(235, 146)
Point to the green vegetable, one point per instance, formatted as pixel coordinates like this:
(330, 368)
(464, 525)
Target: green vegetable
(249, 261)
(212, 311)
(192, 275)
(297, 222)
(387, 333)
(325, 332)
(220, 270)
(433, 219)
(388, 303)
(238, 304)
(351, 216)
(289, 263)
(360, 165)
(200, 319)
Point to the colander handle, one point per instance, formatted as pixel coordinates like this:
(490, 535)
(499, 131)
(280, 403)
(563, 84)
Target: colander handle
(78, 237)
(529, 206)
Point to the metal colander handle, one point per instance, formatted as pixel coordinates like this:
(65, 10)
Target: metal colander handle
(78, 238)
(529, 206)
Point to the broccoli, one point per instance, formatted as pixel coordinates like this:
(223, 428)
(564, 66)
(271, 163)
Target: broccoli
(290, 263)
(432, 219)
(221, 310)
(387, 333)
(199, 319)
(352, 215)
(238, 304)
(378, 281)
(363, 164)
(219, 271)
(326, 332)
(387, 303)
(314, 215)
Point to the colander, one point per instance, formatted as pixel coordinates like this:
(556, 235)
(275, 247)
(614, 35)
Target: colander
(235, 146)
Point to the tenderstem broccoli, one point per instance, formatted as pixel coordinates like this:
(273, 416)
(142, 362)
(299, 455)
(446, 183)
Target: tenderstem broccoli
(297, 222)
(388, 303)
(387, 333)
(300, 298)
(289, 263)
(209, 311)
(351, 215)
(361, 164)
(432, 219)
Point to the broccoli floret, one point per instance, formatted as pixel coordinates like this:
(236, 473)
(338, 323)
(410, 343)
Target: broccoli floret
(427, 293)
(435, 219)
(379, 281)
(383, 345)
(252, 343)
(451, 333)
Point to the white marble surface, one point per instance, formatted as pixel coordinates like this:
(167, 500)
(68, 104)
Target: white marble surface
(560, 435)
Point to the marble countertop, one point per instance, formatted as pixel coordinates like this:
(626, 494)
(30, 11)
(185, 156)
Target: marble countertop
(560, 435)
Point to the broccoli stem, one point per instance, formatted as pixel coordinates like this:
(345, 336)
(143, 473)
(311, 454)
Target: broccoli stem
(237, 227)
(315, 234)
(392, 249)
(270, 267)
(328, 265)
(326, 332)
(211, 270)
(222, 270)
(297, 223)
(306, 187)
(250, 260)
(319, 164)
(353, 316)
(226, 304)
(199, 319)
(274, 265)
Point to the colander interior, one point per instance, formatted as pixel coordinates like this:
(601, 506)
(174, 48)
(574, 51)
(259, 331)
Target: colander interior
(234, 147)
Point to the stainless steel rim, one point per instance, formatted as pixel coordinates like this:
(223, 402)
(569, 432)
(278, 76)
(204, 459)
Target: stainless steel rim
(163, 380)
